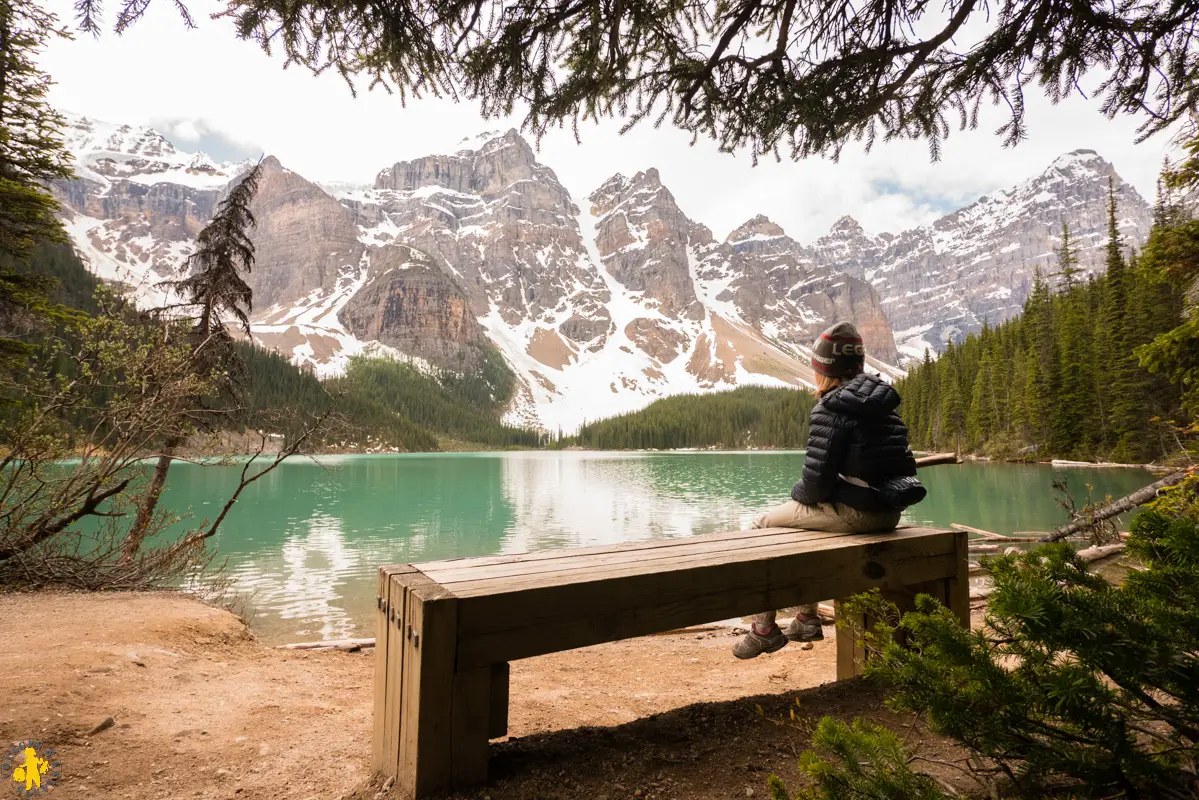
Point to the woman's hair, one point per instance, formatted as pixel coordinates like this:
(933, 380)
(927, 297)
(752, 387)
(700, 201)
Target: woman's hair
(825, 384)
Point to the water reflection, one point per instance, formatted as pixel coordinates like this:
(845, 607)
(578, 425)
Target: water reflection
(574, 499)
(307, 539)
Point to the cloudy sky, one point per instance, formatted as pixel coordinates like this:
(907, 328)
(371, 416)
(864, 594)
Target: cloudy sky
(207, 90)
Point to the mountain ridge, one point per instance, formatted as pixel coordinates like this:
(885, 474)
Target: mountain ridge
(600, 304)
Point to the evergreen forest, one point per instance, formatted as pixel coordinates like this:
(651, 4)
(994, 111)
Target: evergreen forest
(379, 403)
(1066, 378)
(746, 417)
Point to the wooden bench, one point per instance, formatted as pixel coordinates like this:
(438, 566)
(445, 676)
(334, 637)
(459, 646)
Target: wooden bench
(448, 629)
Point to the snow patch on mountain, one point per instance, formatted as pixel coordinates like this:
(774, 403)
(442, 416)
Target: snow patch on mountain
(106, 152)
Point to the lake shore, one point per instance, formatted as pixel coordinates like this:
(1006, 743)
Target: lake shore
(202, 709)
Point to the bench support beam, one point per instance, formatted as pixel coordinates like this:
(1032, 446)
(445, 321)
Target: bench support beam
(953, 592)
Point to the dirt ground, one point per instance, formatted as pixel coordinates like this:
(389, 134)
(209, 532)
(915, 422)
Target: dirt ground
(203, 710)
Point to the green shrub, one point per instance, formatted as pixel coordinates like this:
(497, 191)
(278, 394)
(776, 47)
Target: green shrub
(1072, 682)
(1073, 687)
(862, 761)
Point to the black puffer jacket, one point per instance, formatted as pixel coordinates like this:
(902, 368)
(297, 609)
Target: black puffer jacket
(855, 431)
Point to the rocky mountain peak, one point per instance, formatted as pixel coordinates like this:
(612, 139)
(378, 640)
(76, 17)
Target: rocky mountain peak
(649, 177)
(940, 281)
(847, 226)
(602, 199)
(759, 227)
(1082, 158)
(141, 141)
(637, 194)
(485, 165)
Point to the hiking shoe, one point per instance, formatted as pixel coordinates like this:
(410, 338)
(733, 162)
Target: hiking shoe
(754, 644)
(805, 630)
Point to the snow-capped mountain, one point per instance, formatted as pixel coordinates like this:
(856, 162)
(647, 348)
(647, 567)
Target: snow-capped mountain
(600, 303)
(942, 281)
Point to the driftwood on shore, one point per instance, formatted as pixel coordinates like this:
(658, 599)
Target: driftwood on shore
(333, 644)
(938, 458)
(1090, 555)
(1116, 507)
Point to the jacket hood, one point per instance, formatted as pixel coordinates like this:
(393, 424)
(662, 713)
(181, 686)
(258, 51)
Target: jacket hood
(863, 396)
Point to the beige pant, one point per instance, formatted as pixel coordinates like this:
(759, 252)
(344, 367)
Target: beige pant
(831, 517)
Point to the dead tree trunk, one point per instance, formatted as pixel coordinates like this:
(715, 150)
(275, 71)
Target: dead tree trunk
(1127, 503)
(149, 504)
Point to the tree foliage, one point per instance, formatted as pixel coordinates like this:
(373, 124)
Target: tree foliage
(32, 154)
(464, 408)
(1066, 379)
(1073, 683)
(106, 393)
(750, 416)
(770, 75)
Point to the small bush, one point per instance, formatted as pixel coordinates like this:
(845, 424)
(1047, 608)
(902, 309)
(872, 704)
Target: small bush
(1073, 683)
(862, 761)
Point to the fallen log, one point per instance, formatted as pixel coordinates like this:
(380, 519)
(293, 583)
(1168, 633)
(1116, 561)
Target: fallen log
(957, 526)
(981, 594)
(938, 458)
(1089, 555)
(333, 644)
(983, 548)
(1126, 503)
(1099, 553)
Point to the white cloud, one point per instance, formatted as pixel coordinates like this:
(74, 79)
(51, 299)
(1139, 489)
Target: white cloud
(183, 130)
(217, 91)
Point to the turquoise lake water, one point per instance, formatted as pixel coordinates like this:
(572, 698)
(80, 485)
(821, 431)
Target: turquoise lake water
(304, 542)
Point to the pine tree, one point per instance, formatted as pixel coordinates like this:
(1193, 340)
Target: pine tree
(952, 412)
(1075, 685)
(931, 399)
(216, 288)
(215, 284)
(1041, 377)
(1067, 261)
(1121, 378)
(32, 153)
(1075, 412)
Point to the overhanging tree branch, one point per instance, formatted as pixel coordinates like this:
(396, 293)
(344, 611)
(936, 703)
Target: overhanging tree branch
(759, 74)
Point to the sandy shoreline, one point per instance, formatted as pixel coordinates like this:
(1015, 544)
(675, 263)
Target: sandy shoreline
(204, 710)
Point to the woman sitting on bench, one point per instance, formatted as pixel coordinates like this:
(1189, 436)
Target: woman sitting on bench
(857, 448)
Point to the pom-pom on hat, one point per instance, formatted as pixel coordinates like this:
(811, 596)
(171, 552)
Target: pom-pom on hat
(839, 351)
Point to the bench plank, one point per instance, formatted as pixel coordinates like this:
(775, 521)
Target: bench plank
(590, 573)
(571, 552)
(453, 578)
(534, 620)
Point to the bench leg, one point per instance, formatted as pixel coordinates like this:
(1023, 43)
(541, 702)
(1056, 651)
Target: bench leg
(954, 593)
(427, 695)
(957, 590)
(379, 717)
(471, 721)
(391, 623)
(498, 718)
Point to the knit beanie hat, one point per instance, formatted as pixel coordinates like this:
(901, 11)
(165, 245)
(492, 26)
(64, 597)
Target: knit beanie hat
(839, 351)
